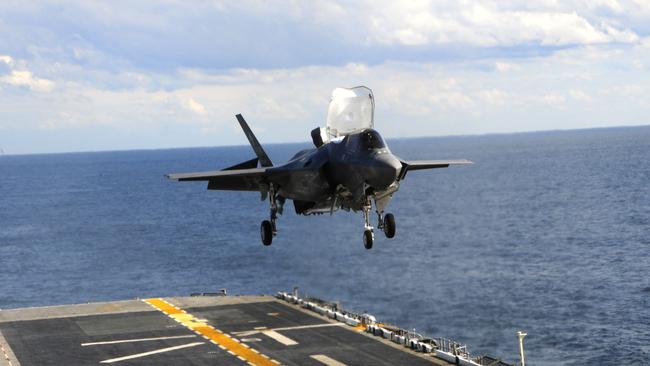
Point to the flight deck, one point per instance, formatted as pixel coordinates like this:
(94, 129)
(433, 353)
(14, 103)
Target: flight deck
(198, 330)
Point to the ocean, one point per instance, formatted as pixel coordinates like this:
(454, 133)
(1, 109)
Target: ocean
(548, 232)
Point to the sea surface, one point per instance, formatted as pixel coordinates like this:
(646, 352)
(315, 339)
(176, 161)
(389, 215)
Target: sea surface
(547, 232)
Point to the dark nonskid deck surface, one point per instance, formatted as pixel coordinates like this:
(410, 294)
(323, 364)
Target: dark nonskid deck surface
(188, 331)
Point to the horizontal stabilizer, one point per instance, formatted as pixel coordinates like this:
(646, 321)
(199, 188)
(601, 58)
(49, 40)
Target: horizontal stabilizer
(216, 174)
(257, 147)
(408, 165)
(253, 179)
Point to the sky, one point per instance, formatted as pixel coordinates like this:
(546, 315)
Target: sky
(115, 75)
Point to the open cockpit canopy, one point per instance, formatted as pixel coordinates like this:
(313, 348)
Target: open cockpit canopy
(351, 110)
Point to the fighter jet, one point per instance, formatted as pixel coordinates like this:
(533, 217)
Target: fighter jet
(349, 168)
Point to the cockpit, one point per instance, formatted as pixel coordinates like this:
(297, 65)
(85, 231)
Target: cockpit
(350, 120)
(371, 139)
(368, 139)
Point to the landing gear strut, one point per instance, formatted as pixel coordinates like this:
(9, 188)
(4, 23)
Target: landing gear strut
(268, 229)
(368, 234)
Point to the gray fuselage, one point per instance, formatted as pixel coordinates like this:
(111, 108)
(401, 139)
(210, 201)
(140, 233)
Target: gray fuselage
(339, 174)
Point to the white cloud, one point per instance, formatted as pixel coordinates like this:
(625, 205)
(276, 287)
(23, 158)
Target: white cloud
(194, 106)
(414, 92)
(580, 96)
(496, 97)
(24, 77)
(249, 33)
(7, 59)
(437, 67)
(19, 76)
(488, 24)
(506, 66)
(553, 99)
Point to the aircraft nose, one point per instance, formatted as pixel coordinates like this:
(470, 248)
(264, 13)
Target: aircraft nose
(385, 170)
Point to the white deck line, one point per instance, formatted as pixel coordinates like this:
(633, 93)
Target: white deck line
(261, 330)
(138, 355)
(327, 360)
(280, 338)
(311, 326)
(137, 340)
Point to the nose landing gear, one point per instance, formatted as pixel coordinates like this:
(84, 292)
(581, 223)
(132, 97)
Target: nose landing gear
(368, 238)
(368, 234)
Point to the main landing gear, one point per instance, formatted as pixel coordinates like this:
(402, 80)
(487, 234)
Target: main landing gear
(268, 229)
(267, 232)
(386, 223)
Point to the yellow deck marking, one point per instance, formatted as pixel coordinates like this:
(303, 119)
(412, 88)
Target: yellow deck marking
(360, 328)
(222, 340)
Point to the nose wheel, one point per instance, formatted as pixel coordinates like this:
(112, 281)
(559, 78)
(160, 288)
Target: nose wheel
(368, 234)
(368, 239)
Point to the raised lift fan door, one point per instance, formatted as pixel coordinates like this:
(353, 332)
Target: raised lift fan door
(350, 110)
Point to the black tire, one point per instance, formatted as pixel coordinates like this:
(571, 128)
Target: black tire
(389, 225)
(266, 230)
(367, 239)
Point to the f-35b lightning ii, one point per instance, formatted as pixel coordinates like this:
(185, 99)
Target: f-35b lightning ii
(349, 168)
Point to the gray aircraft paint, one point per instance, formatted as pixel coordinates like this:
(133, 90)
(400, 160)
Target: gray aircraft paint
(345, 174)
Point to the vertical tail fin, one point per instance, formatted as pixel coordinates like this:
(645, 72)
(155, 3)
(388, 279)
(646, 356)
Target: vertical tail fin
(259, 151)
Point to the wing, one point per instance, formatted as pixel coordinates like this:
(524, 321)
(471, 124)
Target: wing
(408, 165)
(230, 180)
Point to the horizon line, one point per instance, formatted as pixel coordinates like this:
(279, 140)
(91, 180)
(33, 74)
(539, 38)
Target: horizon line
(4, 152)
